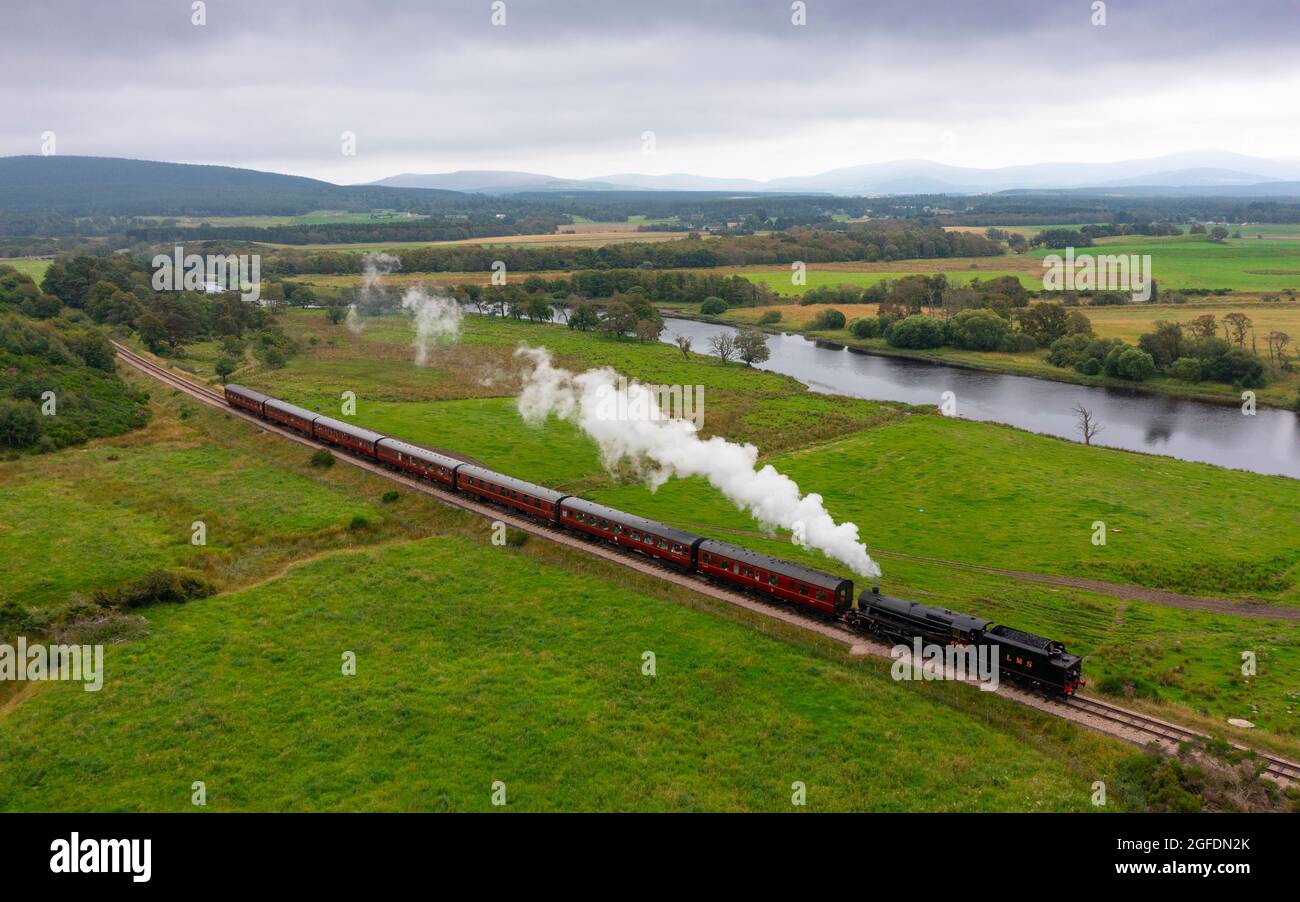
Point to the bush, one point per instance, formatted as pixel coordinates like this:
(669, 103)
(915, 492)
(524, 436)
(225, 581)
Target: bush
(322, 458)
(829, 320)
(1069, 350)
(358, 523)
(155, 587)
(1237, 367)
(389, 497)
(771, 316)
(916, 331)
(866, 328)
(713, 306)
(978, 330)
(1186, 369)
(1129, 363)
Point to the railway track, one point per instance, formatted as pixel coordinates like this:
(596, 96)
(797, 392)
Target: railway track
(1169, 735)
(1130, 726)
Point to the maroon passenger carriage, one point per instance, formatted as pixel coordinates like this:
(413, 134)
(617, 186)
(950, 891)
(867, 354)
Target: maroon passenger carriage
(290, 415)
(417, 461)
(245, 398)
(526, 497)
(769, 575)
(630, 531)
(345, 435)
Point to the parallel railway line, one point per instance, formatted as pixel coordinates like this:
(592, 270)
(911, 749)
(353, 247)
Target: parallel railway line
(1122, 723)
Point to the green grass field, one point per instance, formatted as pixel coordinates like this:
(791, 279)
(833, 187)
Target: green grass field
(475, 663)
(1246, 264)
(920, 485)
(34, 268)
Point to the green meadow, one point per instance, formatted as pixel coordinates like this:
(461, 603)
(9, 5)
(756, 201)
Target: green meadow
(34, 268)
(474, 663)
(934, 495)
(1246, 264)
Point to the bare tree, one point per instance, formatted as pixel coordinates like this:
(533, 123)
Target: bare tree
(684, 345)
(1277, 342)
(1087, 423)
(723, 345)
(1239, 324)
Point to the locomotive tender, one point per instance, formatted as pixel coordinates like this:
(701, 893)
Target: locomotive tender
(1042, 662)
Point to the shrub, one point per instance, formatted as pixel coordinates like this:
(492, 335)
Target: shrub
(389, 497)
(868, 327)
(516, 537)
(1108, 299)
(322, 457)
(155, 587)
(771, 316)
(1237, 367)
(917, 331)
(829, 320)
(358, 523)
(1186, 369)
(713, 306)
(1129, 363)
(1069, 350)
(978, 330)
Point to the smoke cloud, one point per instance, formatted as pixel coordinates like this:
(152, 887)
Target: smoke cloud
(660, 448)
(437, 318)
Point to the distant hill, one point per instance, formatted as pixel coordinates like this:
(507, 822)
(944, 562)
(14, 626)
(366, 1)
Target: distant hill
(92, 186)
(1197, 169)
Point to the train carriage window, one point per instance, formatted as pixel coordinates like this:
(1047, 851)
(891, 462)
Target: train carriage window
(705, 557)
(803, 590)
(772, 580)
(636, 536)
(678, 549)
(617, 529)
(661, 543)
(745, 571)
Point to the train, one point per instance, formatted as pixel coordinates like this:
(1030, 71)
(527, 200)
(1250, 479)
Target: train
(1034, 660)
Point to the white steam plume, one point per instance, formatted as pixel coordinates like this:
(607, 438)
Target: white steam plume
(437, 318)
(662, 448)
(373, 269)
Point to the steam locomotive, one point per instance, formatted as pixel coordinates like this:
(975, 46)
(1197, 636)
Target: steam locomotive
(1041, 662)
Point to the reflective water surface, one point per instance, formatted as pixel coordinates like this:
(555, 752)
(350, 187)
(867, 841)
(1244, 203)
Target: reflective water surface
(1267, 442)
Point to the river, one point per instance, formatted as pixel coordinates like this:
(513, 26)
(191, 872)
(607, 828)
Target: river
(1266, 442)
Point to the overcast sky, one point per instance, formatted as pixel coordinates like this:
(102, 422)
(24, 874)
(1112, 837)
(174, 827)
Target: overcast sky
(729, 88)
